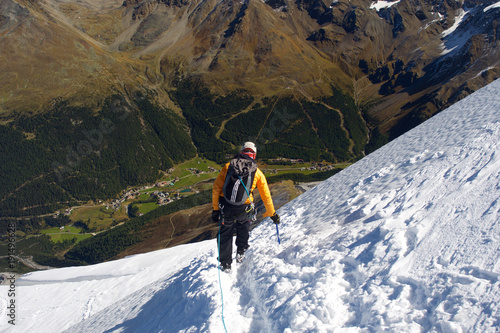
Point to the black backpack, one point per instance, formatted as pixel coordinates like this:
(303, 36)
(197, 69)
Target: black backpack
(239, 180)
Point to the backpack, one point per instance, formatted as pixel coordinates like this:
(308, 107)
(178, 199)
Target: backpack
(239, 180)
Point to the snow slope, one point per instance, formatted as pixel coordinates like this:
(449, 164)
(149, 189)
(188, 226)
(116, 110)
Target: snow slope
(405, 240)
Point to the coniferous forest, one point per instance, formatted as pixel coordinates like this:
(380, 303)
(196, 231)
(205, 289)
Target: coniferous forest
(73, 155)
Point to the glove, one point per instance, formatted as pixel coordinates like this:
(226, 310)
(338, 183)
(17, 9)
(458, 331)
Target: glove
(215, 216)
(275, 218)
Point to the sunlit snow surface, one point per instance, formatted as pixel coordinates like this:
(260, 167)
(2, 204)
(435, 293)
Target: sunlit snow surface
(405, 240)
(495, 5)
(378, 5)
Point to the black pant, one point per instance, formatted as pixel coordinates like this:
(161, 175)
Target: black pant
(242, 226)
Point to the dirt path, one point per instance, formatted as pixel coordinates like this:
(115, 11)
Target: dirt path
(173, 231)
(29, 262)
(224, 122)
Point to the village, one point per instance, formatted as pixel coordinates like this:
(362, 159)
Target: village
(162, 197)
(313, 167)
(178, 182)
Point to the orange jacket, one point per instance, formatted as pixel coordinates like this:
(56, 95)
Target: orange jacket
(259, 181)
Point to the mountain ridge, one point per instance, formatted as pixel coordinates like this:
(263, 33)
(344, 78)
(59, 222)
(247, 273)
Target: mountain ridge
(265, 47)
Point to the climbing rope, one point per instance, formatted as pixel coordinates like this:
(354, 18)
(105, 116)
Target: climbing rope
(220, 284)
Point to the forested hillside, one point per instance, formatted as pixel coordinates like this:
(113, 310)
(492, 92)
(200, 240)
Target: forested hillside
(330, 129)
(72, 155)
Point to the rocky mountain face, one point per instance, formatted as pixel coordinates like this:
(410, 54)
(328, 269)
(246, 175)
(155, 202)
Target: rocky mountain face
(396, 57)
(362, 70)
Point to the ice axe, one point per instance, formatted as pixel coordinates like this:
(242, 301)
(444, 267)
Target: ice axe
(278, 233)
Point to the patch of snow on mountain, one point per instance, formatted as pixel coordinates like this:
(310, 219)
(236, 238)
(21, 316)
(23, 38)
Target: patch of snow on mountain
(453, 39)
(458, 19)
(495, 5)
(378, 5)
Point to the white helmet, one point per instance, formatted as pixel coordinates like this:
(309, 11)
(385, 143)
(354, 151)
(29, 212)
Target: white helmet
(249, 145)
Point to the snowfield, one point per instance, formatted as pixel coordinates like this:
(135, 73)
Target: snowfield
(405, 240)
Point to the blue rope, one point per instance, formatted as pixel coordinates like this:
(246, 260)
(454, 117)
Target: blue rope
(220, 284)
(242, 183)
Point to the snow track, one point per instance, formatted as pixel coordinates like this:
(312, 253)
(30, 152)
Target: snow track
(252, 298)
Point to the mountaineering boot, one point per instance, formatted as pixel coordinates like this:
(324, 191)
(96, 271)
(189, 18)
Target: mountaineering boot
(240, 257)
(225, 267)
(240, 254)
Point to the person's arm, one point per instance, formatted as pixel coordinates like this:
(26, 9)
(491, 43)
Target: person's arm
(265, 194)
(217, 188)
